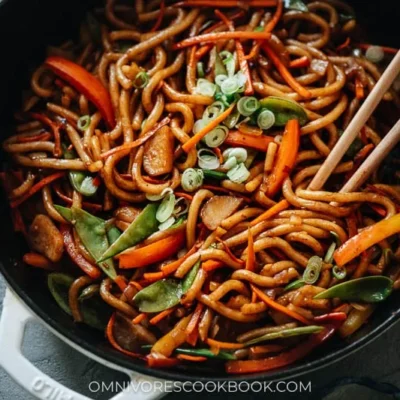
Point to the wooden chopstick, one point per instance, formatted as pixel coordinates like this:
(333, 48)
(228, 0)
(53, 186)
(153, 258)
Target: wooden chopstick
(356, 124)
(373, 160)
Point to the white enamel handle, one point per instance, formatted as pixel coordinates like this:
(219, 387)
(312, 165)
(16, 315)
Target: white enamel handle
(14, 317)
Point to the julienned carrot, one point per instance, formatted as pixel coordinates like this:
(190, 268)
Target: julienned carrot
(286, 75)
(137, 285)
(286, 158)
(160, 17)
(192, 325)
(389, 50)
(215, 37)
(192, 142)
(224, 345)
(236, 138)
(211, 265)
(55, 127)
(229, 252)
(161, 362)
(120, 282)
(139, 318)
(244, 66)
(359, 158)
(344, 45)
(278, 307)
(110, 337)
(300, 62)
(268, 28)
(366, 238)
(35, 188)
(275, 209)
(251, 255)
(359, 89)
(187, 357)
(153, 276)
(153, 253)
(172, 267)
(184, 195)
(38, 261)
(138, 142)
(160, 316)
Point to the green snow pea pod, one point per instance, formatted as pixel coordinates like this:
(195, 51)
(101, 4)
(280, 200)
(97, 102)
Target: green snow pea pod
(303, 330)
(298, 283)
(284, 110)
(165, 293)
(95, 312)
(371, 289)
(141, 228)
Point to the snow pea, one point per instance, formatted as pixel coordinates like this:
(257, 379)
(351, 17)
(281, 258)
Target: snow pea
(165, 293)
(95, 312)
(93, 234)
(371, 289)
(284, 333)
(141, 228)
(284, 110)
(81, 181)
(298, 283)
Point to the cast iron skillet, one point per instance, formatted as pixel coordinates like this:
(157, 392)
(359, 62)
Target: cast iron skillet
(25, 28)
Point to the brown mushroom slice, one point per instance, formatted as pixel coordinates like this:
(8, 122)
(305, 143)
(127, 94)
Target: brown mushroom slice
(131, 336)
(219, 208)
(127, 214)
(45, 238)
(158, 158)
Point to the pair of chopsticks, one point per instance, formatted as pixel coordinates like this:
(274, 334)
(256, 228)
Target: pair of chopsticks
(359, 120)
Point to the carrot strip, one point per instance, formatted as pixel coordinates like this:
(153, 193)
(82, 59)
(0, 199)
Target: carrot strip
(192, 325)
(215, 37)
(389, 50)
(351, 222)
(193, 337)
(153, 276)
(278, 307)
(192, 142)
(229, 251)
(184, 195)
(359, 89)
(275, 209)
(38, 261)
(301, 62)
(251, 255)
(138, 142)
(379, 210)
(35, 188)
(89, 206)
(211, 265)
(113, 342)
(218, 152)
(55, 127)
(137, 285)
(203, 50)
(345, 44)
(286, 75)
(244, 66)
(224, 345)
(139, 318)
(172, 267)
(166, 362)
(359, 158)
(236, 138)
(160, 17)
(120, 282)
(160, 316)
(187, 357)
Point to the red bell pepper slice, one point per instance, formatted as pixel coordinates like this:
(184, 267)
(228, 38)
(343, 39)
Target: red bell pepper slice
(88, 268)
(84, 82)
(334, 318)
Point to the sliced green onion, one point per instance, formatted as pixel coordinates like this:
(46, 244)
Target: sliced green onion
(220, 79)
(295, 285)
(259, 29)
(248, 105)
(232, 119)
(339, 273)
(199, 125)
(240, 153)
(192, 179)
(387, 256)
(166, 208)
(157, 197)
(83, 122)
(216, 137)
(167, 224)
(374, 54)
(200, 70)
(229, 163)
(312, 271)
(213, 111)
(219, 176)
(278, 139)
(266, 119)
(329, 254)
(238, 174)
(241, 79)
(336, 237)
(219, 66)
(251, 155)
(179, 210)
(230, 85)
(207, 159)
(227, 99)
(141, 80)
(205, 87)
(229, 62)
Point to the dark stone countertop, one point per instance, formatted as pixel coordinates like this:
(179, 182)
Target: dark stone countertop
(378, 361)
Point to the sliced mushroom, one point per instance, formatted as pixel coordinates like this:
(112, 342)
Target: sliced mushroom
(45, 238)
(217, 209)
(158, 158)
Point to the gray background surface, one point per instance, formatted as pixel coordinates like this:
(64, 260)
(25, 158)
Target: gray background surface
(379, 361)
